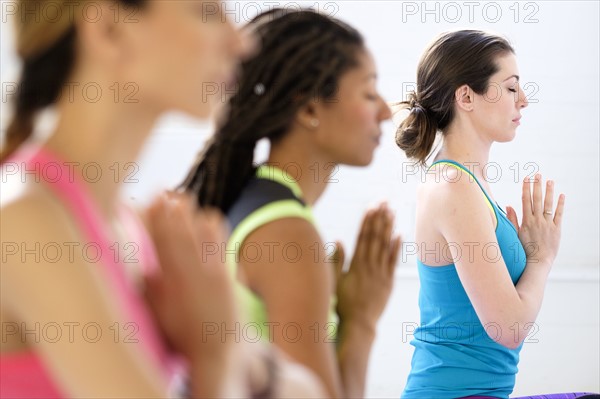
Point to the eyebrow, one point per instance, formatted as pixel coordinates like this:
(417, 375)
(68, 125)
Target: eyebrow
(512, 76)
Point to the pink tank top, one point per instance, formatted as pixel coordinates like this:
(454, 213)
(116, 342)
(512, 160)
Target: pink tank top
(24, 374)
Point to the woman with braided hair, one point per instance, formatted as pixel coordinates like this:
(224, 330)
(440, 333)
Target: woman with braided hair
(311, 92)
(119, 320)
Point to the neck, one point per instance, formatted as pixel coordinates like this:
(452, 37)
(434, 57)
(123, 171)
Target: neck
(303, 162)
(463, 144)
(101, 137)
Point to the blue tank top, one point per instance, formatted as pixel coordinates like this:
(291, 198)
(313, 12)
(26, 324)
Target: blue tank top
(454, 356)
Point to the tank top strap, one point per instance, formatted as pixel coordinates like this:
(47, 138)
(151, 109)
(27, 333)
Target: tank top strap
(493, 207)
(63, 183)
(57, 177)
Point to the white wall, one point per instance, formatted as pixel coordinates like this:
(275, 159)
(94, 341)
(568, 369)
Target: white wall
(557, 48)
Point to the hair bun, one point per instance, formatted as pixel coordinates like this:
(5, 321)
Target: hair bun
(414, 103)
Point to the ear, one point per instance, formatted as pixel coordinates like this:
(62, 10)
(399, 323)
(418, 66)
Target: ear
(98, 33)
(308, 115)
(464, 97)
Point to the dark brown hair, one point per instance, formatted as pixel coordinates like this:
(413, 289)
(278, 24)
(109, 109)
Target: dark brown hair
(302, 56)
(47, 49)
(454, 59)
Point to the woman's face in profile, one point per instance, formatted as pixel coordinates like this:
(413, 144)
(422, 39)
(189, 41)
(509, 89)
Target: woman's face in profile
(181, 53)
(350, 122)
(498, 111)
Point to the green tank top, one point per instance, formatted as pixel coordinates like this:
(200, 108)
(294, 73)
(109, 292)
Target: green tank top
(271, 195)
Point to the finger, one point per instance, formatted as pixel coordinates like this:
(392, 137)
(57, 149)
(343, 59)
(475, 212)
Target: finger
(182, 216)
(361, 244)
(537, 195)
(549, 199)
(186, 203)
(156, 206)
(384, 251)
(512, 216)
(558, 216)
(375, 246)
(177, 195)
(149, 220)
(210, 225)
(527, 207)
(396, 244)
(217, 217)
(156, 218)
(211, 235)
(174, 238)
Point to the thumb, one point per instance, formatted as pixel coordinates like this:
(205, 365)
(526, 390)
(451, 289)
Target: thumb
(512, 216)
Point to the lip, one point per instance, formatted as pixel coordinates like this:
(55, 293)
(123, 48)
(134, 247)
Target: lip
(517, 120)
(377, 139)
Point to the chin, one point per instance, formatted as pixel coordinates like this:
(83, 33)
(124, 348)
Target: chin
(506, 137)
(199, 111)
(364, 161)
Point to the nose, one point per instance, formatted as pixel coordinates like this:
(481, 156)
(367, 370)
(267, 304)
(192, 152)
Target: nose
(385, 112)
(243, 43)
(522, 101)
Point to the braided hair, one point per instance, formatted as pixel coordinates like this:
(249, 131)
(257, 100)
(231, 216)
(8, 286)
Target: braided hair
(302, 56)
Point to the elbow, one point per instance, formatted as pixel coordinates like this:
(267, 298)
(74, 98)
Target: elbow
(510, 343)
(505, 334)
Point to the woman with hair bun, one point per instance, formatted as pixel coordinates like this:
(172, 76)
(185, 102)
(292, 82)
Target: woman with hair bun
(476, 310)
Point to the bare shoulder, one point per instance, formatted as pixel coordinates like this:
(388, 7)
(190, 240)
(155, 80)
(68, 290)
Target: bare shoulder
(285, 236)
(41, 251)
(287, 249)
(450, 193)
(293, 229)
(47, 280)
(34, 216)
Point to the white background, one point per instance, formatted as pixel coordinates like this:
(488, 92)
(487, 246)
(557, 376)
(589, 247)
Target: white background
(557, 50)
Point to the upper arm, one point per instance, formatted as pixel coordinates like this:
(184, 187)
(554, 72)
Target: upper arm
(64, 302)
(465, 223)
(293, 279)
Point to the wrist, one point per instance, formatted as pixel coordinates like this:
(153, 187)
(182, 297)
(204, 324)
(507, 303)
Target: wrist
(210, 372)
(357, 326)
(540, 264)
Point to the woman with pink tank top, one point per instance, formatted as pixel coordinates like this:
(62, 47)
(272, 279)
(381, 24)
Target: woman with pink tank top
(90, 306)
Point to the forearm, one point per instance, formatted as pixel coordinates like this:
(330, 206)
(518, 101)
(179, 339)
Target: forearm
(530, 290)
(354, 347)
(214, 376)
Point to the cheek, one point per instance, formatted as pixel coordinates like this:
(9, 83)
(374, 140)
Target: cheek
(362, 115)
(494, 110)
(188, 52)
(178, 68)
